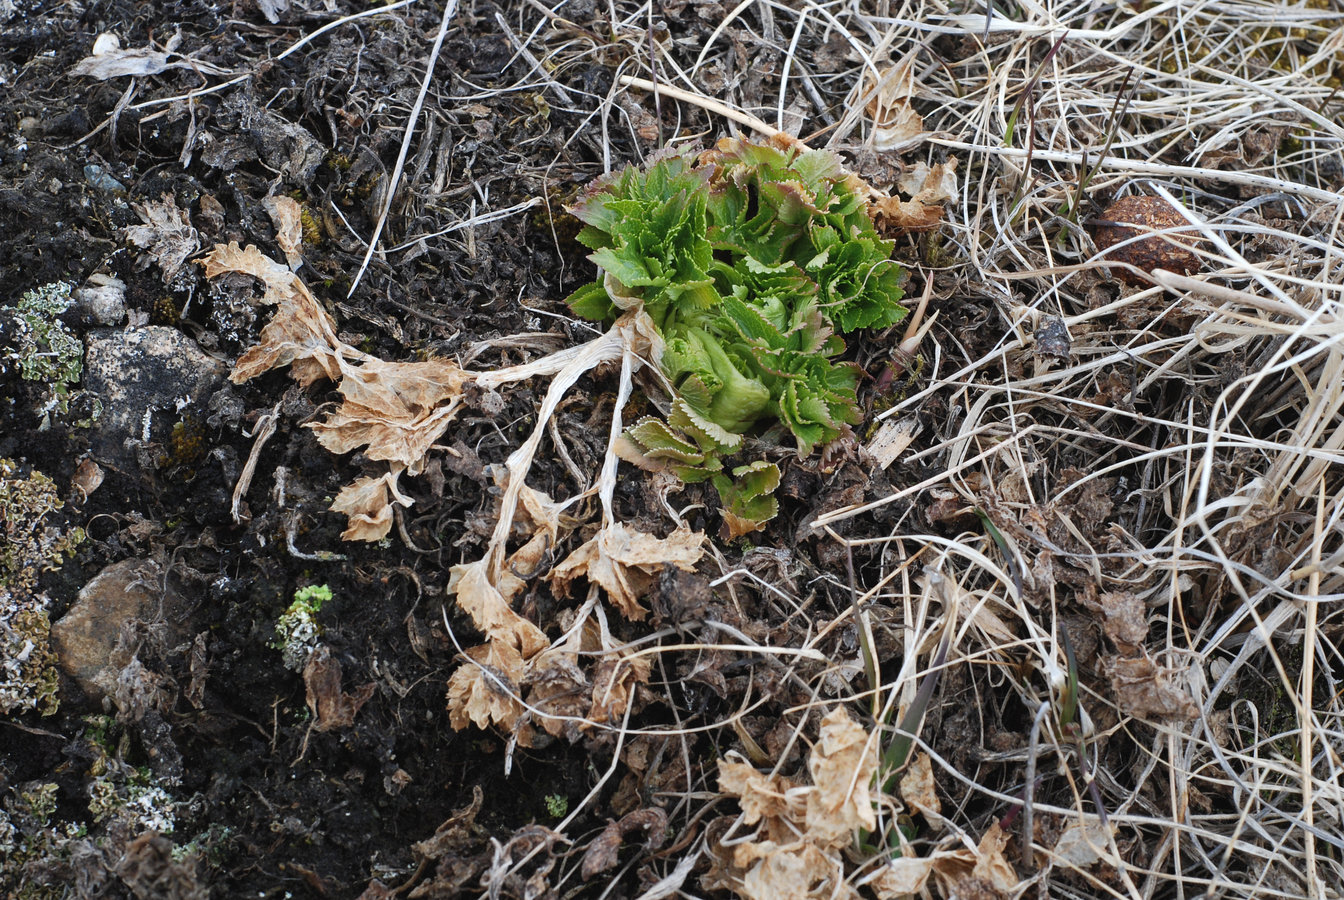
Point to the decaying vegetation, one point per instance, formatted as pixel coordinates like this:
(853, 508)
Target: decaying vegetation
(1036, 592)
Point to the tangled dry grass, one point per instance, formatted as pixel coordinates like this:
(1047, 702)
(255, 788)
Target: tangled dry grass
(1155, 503)
(1117, 529)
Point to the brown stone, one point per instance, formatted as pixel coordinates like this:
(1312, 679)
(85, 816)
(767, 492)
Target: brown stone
(86, 638)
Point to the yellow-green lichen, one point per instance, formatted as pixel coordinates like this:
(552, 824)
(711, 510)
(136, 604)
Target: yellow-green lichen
(43, 349)
(28, 546)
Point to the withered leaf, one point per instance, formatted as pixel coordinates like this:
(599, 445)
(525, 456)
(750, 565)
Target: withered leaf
(763, 797)
(287, 217)
(624, 562)
(602, 853)
(485, 689)
(795, 871)
(614, 685)
(489, 609)
(1144, 690)
(395, 411)
(894, 120)
(167, 234)
(300, 334)
(842, 765)
(368, 503)
(918, 787)
(332, 707)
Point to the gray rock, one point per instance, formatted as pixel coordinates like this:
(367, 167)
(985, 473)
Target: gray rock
(87, 639)
(145, 379)
(102, 300)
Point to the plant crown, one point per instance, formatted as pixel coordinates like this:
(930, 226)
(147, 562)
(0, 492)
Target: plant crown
(751, 259)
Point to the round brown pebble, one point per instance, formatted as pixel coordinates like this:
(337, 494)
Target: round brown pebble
(1171, 252)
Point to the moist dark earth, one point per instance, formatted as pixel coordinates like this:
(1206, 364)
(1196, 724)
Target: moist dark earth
(263, 802)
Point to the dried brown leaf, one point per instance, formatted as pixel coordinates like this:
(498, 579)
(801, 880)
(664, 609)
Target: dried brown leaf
(918, 788)
(395, 411)
(902, 877)
(842, 765)
(300, 334)
(1125, 620)
(485, 690)
(763, 797)
(489, 609)
(332, 707)
(167, 234)
(287, 217)
(624, 561)
(614, 685)
(1144, 690)
(796, 871)
(368, 503)
(602, 853)
(895, 121)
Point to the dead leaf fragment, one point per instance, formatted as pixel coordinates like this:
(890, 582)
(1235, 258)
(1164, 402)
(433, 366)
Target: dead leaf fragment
(110, 60)
(1125, 620)
(332, 707)
(902, 877)
(796, 871)
(394, 411)
(368, 503)
(624, 562)
(1084, 843)
(924, 210)
(485, 689)
(300, 334)
(842, 765)
(602, 854)
(287, 217)
(895, 121)
(763, 797)
(1144, 690)
(167, 234)
(86, 479)
(489, 608)
(614, 685)
(918, 788)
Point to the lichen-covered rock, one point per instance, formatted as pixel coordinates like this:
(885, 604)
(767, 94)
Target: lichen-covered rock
(154, 374)
(87, 638)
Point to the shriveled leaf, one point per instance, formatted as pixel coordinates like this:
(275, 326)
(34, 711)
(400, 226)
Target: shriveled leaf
(110, 60)
(287, 217)
(368, 503)
(394, 411)
(332, 707)
(1085, 843)
(1143, 689)
(796, 871)
(918, 788)
(894, 120)
(602, 853)
(1124, 620)
(614, 685)
(167, 234)
(762, 797)
(842, 765)
(902, 877)
(300, 334)
(489, 609)
(484, 690)
(990, 865)
(624, 561)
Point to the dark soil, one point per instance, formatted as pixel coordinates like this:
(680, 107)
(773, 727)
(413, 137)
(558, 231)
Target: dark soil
(266, 805)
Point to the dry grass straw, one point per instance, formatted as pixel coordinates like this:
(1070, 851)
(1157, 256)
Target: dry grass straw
(1188, 454)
